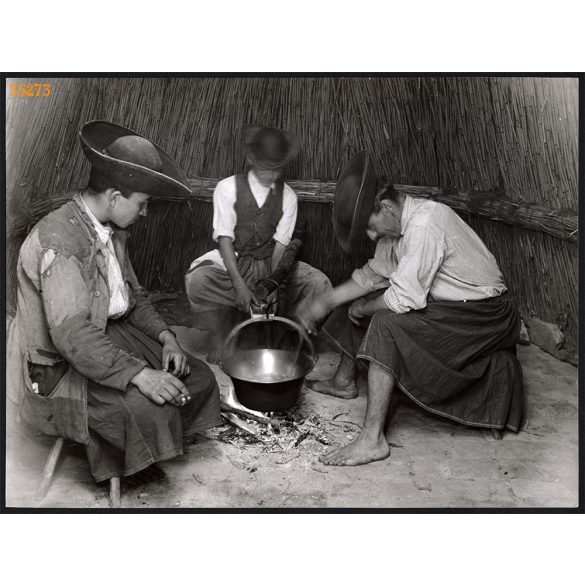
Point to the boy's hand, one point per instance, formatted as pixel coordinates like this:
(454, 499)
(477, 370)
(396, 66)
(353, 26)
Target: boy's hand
(161, 387)
(173, 354)
(244, 298)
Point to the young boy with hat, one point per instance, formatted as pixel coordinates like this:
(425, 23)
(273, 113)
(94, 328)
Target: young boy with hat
(254, 216)
(89, 359)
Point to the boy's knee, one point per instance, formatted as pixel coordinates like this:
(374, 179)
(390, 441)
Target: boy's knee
(194, 282)
(199, 283)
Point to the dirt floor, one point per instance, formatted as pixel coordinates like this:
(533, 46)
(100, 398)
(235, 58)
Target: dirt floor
(433, 462)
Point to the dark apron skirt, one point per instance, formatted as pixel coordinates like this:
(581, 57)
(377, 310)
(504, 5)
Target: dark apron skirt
(453, 358)
(129, 432)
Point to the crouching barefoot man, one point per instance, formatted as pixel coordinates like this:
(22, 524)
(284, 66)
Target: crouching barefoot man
(429, 314)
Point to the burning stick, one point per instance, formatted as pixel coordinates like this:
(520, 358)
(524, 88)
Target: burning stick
(234, 419)
(259, 417)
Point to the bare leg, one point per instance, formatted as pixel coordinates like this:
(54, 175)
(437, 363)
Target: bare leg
(371, 445)
(361, 381)
(342, 384)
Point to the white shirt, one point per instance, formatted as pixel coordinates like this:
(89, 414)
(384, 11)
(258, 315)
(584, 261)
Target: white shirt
(437, 253)
(225, 217)
(224, 214)
(118, 294)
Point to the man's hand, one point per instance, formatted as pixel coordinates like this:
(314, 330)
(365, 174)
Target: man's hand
(357, 310)
(309, 314)
(161, 387)
(364, 307)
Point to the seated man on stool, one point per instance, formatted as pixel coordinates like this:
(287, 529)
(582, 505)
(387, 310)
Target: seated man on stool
(89, 358)
(254, 215)
(429, 314)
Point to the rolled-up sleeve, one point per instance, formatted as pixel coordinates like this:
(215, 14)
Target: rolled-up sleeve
(224, 213)
(410, 283)
(368, 278)
(286, 225)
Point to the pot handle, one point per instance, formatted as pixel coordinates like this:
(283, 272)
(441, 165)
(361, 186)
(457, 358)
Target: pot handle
(296, 326)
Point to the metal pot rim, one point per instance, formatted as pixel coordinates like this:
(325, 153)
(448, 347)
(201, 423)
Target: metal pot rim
(247, 322)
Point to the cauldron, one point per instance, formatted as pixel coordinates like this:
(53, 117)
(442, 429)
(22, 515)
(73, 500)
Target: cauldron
(268, 358)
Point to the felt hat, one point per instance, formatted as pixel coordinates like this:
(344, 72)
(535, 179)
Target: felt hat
(131, 161)
(353, 201)
(270, 148)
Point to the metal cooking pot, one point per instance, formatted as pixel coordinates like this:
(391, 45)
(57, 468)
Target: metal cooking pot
(268, 358)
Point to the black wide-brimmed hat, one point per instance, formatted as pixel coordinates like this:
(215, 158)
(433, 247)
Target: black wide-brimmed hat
(353, 201)
(131, 161)
(270, 148)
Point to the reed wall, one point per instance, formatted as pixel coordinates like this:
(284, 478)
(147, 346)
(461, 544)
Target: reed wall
(516, 135)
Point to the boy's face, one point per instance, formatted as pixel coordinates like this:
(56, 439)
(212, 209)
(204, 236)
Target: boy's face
(127, 210)
(267, 176)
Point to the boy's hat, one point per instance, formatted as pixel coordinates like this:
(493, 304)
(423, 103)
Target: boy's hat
(270, 148)
(131, 161)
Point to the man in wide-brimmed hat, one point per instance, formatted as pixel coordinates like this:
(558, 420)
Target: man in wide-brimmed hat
(429, 314)
(254, 216)
(89, 358)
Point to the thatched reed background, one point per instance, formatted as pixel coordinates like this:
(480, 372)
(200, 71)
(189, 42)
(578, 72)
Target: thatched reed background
(515, 135)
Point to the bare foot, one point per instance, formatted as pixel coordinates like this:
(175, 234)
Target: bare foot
(357, 453)
(331, 388)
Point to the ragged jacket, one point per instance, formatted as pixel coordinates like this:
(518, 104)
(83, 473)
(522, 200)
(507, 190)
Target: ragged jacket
(62, 313)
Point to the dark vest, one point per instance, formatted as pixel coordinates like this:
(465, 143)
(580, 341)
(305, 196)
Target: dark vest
(255, 226)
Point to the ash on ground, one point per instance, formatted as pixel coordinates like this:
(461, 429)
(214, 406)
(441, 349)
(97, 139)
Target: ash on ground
(297, 432)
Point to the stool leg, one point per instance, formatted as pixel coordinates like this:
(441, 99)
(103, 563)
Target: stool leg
(115, 496)
(49, 469)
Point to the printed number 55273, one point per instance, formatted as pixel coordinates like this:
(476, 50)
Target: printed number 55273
(29, 89)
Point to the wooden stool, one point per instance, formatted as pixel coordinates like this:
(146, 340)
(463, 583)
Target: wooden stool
(49, 470)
